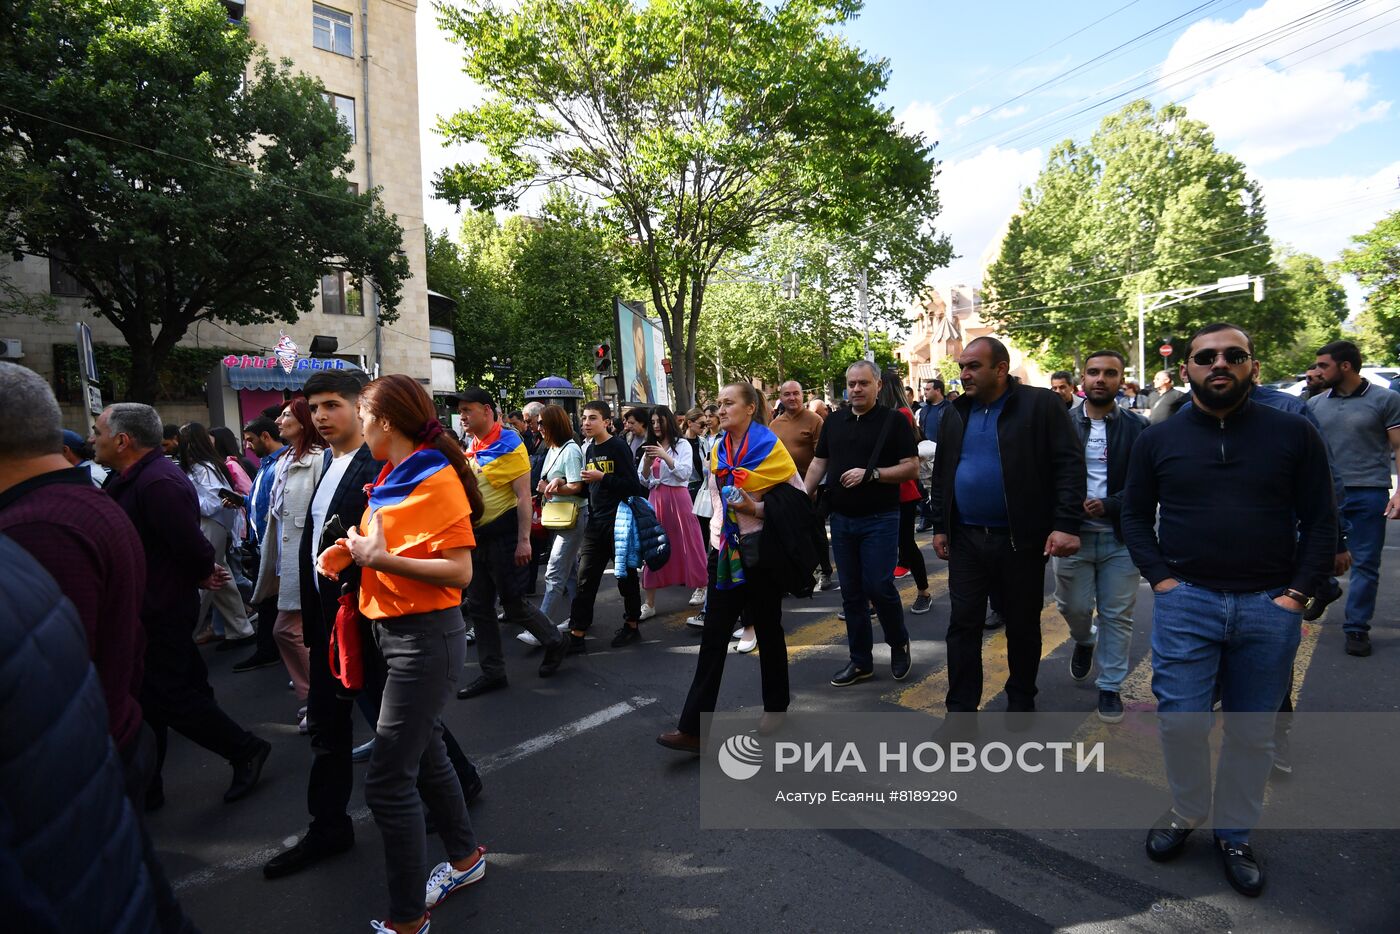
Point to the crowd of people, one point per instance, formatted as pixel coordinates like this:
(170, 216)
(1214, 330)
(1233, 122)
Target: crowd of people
(364, 525)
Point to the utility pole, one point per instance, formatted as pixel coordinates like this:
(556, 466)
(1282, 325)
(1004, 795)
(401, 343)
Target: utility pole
(864, 305)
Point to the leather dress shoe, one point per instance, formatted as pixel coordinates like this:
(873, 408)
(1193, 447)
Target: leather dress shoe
(1166, 839)
(482, 685)
(554, 655)
(681, 742)
(310, 849)
(1242, 870)
(246, 773)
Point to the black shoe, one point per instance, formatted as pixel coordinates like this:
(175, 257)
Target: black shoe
(255, 661)
(626, 635)
(1166, 840)
(900, 662)
(1110, 707)
(309, 850)
(1358, 644)
(1331, 590)
(247, 772)
(471, 790)
(155, 795)
(228, 645)
(1081, 662)
(1242, 870)
(554, 656)
(850, 675)
(577, 645)
(994, 621)
(480, 686)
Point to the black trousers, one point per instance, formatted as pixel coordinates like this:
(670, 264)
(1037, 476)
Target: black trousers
(267, 616)
(981, 562)
(175, 695)
(909, 554)
(496, 576)
(760, 604)
(330, 710)
(822, 542)
(593, 557)
(138, 759)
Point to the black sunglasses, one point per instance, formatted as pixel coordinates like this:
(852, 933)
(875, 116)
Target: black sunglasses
(1234, 356)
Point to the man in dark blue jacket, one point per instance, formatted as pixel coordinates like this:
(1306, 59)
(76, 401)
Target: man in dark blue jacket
(1240, 495)
(1101, 576)
(160, 501)
(260, 434)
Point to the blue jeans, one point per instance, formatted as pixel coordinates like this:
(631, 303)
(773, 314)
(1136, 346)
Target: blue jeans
(1248, 642)
(864, 548)
(1364, 510)
(1101, 575)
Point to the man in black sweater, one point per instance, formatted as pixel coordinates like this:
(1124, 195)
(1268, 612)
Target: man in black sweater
(1008, 493)
(1248, 523)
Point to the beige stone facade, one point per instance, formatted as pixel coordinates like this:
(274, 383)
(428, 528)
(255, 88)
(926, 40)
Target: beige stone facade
(386, 116)
(946, 319)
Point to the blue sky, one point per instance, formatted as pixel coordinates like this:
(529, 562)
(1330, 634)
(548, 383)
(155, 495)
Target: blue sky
(1303, 91)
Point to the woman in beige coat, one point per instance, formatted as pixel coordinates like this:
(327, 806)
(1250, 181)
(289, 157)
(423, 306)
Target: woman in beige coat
(294, 483)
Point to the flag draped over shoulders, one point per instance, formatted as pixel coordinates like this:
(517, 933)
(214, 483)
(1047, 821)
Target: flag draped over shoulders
(757, 463)
(500, 455)
(417, 500)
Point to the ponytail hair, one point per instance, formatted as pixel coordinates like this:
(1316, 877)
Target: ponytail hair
(408, 408)
(752, 397)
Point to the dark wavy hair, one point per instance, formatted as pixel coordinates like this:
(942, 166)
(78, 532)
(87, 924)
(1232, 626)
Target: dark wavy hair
(408, 408)
(668, 421)
(196, 447)
(228, 445)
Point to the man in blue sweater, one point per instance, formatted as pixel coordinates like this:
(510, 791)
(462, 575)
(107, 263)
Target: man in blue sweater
(1247, 528)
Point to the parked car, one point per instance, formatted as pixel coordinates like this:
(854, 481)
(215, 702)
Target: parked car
(1382, 376)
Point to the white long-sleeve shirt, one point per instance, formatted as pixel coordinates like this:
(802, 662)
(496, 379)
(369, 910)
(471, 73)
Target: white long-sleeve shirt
(679, 475)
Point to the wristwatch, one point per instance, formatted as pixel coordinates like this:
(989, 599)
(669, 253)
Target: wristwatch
(875, 475)
(1299, 596)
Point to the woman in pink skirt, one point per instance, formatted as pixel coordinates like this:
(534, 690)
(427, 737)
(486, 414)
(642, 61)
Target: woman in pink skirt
(665, 467)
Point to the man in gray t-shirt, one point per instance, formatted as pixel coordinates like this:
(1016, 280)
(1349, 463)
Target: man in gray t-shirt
(1361, 423)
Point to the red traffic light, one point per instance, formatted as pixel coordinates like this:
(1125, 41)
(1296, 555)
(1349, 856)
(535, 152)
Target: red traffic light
(602, 358)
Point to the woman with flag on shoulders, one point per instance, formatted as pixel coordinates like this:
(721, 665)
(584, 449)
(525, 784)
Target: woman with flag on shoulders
(415, 545)
(746, 461)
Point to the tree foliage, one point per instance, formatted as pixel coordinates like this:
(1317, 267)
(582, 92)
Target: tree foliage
(1375, 261)
(175, 173)
(1148, 204)
(1308, 289)
(698, 124)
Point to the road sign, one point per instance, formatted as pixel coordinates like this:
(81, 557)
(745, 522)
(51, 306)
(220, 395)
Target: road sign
(87, 370)
(1165, 350)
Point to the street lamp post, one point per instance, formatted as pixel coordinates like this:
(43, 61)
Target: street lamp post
(1151, 301)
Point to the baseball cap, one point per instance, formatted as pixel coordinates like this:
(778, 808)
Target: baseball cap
(73, 440)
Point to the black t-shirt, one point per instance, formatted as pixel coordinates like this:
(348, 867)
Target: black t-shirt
(614, 458)
(847, 440)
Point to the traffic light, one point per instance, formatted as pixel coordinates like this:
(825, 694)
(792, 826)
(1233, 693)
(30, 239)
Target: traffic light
(602, 358)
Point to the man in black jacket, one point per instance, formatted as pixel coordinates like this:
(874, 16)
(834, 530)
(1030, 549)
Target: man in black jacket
(1102, 575)
(1246, 525)
(1007, 493)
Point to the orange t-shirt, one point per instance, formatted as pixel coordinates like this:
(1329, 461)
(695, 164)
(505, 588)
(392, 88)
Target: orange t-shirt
(384, 596)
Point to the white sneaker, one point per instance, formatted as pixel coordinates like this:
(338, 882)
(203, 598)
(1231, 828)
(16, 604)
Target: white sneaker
(445, 880)
(382, 927)
(747, 645)
(738, 633)
(696, 622)
(698, 598)
(528, 639)
(648, 611)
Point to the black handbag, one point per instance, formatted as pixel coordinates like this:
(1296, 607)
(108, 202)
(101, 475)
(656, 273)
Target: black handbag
(750, 549)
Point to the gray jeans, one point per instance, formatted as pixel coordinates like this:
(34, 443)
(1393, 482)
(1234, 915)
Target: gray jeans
(423, 655)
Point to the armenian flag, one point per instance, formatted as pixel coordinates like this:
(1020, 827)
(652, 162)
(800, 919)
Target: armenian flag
(500, 455)
(416, 500)
(758, 463)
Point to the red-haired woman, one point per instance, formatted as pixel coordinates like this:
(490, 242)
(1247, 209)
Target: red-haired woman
(294, 482)
(414, 543)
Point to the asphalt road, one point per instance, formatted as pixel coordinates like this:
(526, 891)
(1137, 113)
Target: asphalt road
(593, 827)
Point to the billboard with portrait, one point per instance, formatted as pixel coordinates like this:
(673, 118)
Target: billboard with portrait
(639, 350)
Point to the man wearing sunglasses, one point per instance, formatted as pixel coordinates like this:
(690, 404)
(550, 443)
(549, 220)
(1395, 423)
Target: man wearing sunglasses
(1361, 424)
(1247, 528)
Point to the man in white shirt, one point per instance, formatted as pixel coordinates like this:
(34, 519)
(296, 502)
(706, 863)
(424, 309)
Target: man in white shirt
(78, 452)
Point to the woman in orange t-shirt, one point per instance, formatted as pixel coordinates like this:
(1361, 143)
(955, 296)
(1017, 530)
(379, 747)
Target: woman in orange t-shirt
(414, 544)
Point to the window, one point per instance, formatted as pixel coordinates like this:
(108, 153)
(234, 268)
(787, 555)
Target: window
(340, 294)
(345, 110)
(330, 30)
(61, 281)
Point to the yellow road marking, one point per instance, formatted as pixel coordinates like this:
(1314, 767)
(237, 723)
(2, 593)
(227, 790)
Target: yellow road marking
(828, 630)
(930, 693)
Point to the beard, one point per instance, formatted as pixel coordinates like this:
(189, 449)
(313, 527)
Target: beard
(1220, 399)
(1099, 396)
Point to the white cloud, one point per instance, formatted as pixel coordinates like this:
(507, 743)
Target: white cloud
(1006, 113)
(1281, 90)
(978, 195)
(971, 115)
(922, 117)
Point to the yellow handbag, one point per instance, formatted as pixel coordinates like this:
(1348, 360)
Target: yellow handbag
(558, 515)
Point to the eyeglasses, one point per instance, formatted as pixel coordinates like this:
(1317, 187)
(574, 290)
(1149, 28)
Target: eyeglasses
(1234, 356)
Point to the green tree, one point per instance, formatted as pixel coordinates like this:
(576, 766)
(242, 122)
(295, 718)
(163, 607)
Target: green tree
(175, 173)
(1375, 261)
(1148, 204)
(699, 123)
(1310, 293)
